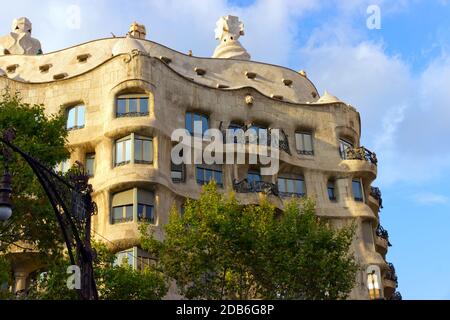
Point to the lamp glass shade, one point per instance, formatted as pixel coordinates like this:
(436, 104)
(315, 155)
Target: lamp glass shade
(5, 212)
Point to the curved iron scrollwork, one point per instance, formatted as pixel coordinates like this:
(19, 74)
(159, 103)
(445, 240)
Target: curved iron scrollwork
(284, 142)
(397, 296)
(391, 274)
(71, 200)
(376, 193)
(245, 186)
(362, 154)
(384, 234)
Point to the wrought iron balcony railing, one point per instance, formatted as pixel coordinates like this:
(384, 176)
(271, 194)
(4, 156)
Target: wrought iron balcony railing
(384, 234)
(391, 274)
(283, 142)
(397, 296)
(376, 193)
(361, 154)
(245, 186)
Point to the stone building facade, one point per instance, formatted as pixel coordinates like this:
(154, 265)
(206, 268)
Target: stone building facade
(125, 96)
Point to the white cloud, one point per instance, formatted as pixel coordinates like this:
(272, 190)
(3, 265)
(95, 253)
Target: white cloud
(431, 199)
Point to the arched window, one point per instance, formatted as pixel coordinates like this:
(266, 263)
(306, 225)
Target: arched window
(132, 105)
(75, 117)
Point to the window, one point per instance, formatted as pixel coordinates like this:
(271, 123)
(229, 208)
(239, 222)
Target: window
(90, 164)
(75, 117)
(331, 186)
(238, 132)
(63, 167)
(304, 142)
(343, 147)
(177, 172)
(133, 203)
(132, 105)
(196, 124)
(254, 177)
(262, 133)
(289, 187)
(133, 149)
(124, 258)
(357, 190)
(135, 257)
(207, 173)
(143, 150)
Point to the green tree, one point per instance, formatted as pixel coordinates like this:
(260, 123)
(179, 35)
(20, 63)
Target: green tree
(219, 249)
(33, 224)
(114, 282)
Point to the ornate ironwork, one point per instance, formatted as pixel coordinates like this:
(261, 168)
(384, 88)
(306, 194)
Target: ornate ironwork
(132, 114)
(284, 142)
(384, 234)
(361, 154)
(71, 200)
(376, 193)
(391, 274)
(245, 186)
(397, 296)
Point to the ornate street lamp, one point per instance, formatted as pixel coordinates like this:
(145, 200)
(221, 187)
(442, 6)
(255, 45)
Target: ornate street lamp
(72, 203)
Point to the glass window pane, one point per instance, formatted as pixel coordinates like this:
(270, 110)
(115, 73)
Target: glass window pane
(198, 132)
(149, 214)
(121, 106)
(200, 175)
(299, 187)
(143, 105)
(299, 141)
(205, 125)
(129, 213)
(189, 123)
(290, 186)
(140, 211)
(81, 115)
(71, 118)
(119, 152)
(307, 138)
(148, 152)
(127, 150)
(208, 175)
(357, 190)
(117, 214)
(138, 150)
(281, 185)
(90, 164)
(132, 105)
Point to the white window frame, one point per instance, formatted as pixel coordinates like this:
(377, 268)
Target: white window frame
(77, 122)
(132, 138)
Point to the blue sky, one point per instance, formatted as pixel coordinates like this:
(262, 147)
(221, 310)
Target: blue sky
(398, 77)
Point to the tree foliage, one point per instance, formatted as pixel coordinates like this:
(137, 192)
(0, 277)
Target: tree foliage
(44, 137)
(114, 282)
(219, 249)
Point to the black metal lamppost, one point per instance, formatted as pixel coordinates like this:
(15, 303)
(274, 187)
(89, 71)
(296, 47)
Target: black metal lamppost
(72, 203)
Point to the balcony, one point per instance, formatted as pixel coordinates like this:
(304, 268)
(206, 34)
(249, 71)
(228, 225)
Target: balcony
(361, 161)
(376, 194)
(245, 186)
(397, 296)
(362, 154)
(382, 240)
(390, 281)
